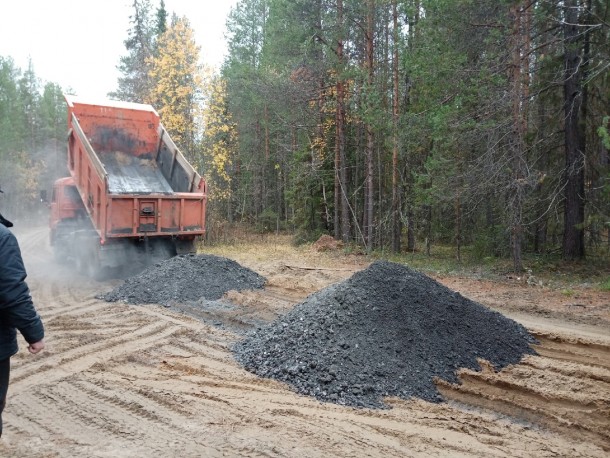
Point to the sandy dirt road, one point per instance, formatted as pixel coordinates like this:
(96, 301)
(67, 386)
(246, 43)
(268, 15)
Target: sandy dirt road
(123, 380)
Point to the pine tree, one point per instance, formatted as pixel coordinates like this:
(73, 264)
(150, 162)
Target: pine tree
(12, 129)
(135, 85)
(29, 95)
(161, 19)
(52, 115)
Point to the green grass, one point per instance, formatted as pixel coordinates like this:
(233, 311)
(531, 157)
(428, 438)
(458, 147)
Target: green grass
(443, 260)
(548, 269)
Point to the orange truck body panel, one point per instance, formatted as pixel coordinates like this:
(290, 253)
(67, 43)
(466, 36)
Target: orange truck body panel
(132, 179)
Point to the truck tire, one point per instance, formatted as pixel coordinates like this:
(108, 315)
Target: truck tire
(60, 254)
(185, 246)
(85, 255)
(90, 267)
(80, 262)
(93, 269)
(59, 243)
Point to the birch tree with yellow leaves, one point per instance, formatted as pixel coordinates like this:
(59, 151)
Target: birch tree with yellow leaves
(219, 146)
(177, 82)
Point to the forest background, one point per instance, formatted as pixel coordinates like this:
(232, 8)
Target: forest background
(392, 125)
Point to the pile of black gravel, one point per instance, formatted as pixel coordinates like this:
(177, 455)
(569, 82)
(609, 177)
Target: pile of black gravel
(386, 331)
(186, 278)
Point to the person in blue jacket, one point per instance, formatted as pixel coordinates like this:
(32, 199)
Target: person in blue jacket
(17, 311)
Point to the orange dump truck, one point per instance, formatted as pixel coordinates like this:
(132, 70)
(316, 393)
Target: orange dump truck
(131, 195)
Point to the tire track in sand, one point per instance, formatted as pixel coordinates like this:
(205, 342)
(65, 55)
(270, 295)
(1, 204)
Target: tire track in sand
(566, 388)
(121, 380)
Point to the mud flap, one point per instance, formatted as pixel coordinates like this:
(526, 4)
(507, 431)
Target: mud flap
(185, 246)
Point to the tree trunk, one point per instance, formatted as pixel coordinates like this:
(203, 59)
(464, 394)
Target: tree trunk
(411, 159)
(396, 226)
(340, 141)
(338, 136)
(541, 228)
(584, 109)
(428, 228)
(338, 126)
(458, 228)
(574, 178)
(410, 227)
(369, 209)
(519, 127)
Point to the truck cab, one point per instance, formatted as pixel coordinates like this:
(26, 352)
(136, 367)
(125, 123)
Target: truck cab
(67, 209)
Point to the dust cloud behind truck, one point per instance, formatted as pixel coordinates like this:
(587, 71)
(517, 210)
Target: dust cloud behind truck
(131, 195)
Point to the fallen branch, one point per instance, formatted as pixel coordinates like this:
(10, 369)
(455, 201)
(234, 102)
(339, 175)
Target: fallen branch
(318, 268)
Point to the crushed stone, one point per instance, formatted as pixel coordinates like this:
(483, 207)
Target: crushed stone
(386, 331)
(185, 278)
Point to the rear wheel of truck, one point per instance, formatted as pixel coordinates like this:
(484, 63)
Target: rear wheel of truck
(61, 249)
(89, 266)
(60, 254)
(93, 269)
(86, 258)
(185, 246)
(80, 263)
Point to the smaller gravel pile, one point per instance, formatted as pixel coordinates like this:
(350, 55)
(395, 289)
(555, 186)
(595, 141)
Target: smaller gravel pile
(186, 278)
(386, 331)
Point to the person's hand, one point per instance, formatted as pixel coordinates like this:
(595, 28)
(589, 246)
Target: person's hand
(36, 347)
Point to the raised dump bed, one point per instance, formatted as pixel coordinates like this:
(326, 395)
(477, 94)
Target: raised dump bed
(134, 184)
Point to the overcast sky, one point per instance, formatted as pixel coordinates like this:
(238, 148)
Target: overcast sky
(78, 43)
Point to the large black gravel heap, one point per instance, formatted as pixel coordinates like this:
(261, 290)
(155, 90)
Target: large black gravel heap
(387, 330)
(186, 278)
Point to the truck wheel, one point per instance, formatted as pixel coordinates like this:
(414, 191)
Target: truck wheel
(90, 268)
(93, 268)
(80, 262)
(59, 254)
(85, 265)
(185, 246)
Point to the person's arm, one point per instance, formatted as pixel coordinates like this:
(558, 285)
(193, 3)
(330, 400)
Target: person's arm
(15, 300)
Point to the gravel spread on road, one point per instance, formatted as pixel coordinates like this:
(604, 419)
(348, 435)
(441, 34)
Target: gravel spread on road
(386, 331)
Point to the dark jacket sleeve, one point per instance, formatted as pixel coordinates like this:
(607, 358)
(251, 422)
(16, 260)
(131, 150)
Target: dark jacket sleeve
(16, 307)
